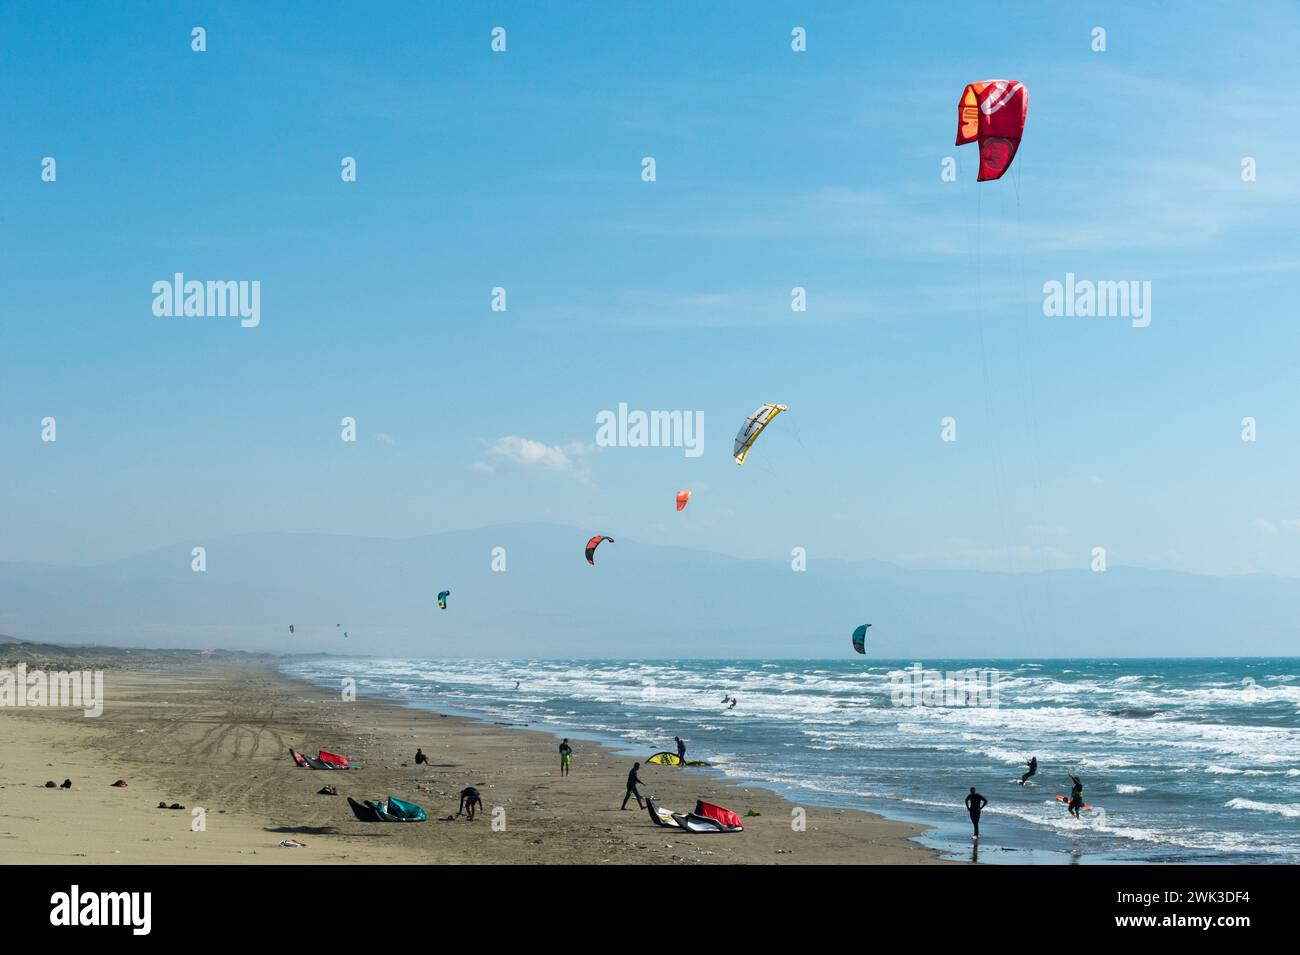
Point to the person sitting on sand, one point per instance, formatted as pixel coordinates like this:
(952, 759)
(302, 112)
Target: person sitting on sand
(632, 781)
(469, 799)
(420, 758)
(566, 755)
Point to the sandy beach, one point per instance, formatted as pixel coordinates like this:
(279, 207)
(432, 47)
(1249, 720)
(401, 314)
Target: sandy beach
(214, 733)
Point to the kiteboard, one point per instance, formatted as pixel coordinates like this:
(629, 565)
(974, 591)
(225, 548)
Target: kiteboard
(1066, 800)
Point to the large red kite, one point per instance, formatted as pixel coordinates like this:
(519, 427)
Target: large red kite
(993, 112)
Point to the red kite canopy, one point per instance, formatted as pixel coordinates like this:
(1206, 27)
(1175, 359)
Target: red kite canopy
(592, 545)
(682, 498)
(993, 112)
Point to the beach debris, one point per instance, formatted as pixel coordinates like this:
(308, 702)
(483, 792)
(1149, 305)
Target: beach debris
(327, 791)
(175, 805)
(120, 784)
(292, 844)
(67, 784)
(51, 784)
(752, 813)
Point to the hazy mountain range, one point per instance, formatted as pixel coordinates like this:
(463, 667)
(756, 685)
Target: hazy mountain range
(639, 600)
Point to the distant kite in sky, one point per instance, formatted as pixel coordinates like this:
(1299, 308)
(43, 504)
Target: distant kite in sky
(993, 112)
(682, 498)
(291, 628)
(753, 427)
(442, 599)
(592, 545)
(860, 638)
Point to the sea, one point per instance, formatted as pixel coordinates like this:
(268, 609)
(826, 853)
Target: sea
(1185, 761)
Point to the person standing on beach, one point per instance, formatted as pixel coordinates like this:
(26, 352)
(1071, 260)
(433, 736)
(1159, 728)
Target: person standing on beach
(469, 799)
(566, 754)
(633, 780)
(681, 748)
(1033, 768)
(974, 804)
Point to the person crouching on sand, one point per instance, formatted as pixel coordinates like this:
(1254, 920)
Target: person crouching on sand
(469, 799)
(632, 781)
(566, 756)
(420, 758)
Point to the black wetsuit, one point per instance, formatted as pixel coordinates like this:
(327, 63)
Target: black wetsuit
(420, 757)
(1033, 768)
(974, 803)
(681, 749)
(632, 781)
(469, 798)
(1076, 795)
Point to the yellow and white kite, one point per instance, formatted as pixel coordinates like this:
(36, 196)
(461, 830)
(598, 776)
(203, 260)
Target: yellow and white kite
(753, 427)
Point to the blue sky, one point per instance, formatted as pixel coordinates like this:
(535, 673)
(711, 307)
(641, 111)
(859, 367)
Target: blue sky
(775, 169)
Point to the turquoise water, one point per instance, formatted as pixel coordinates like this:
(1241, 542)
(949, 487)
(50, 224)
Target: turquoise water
(1184, 760)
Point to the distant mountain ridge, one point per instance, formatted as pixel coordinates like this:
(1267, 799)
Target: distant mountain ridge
(640, 600)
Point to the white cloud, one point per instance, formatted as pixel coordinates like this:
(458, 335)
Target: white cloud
(383, 438)
(529, 453)
(1266, 527)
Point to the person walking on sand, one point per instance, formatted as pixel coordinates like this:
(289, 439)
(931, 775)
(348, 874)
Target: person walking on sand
(469, 799)
(420, 758)
(633, 780)
(566, 755)
(681, 748)
(974, 803)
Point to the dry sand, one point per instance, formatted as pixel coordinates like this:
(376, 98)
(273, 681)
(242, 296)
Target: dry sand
(215, 734)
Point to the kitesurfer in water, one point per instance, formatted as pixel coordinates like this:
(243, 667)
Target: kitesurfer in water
(633, 780)
(1076, 795)
(681, 748)
(1033, 768)
(566, 755)
(469, 799)
(974, 803)
(733, 704)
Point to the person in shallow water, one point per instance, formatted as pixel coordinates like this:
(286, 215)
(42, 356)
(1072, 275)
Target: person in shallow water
(681, 748)
(1033, 768)
(974, 804)
(633, 780)
(1076, 795)
(469, 800)
(566, 756)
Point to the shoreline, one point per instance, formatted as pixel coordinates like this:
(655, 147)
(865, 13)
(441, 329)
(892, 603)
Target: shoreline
(214, 734)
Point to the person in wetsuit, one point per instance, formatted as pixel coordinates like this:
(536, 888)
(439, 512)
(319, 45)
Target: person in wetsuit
(1076, 795)
(1033, 768)
(681, 748)
(974, 803)
(566, 755)
(633, 780)
(420, 758)
(469, 799)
